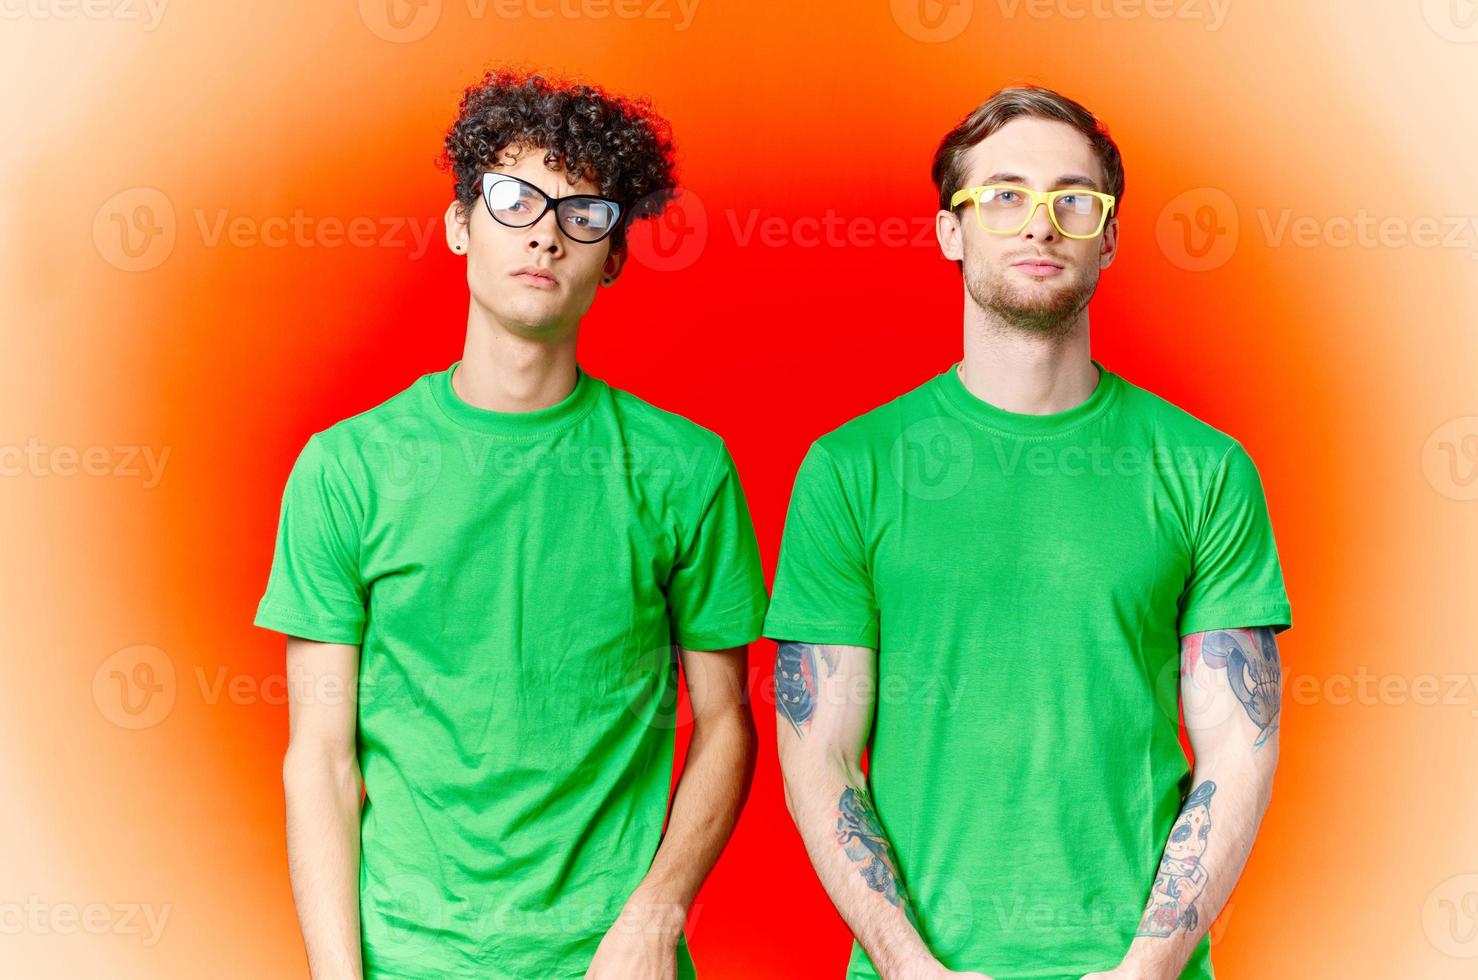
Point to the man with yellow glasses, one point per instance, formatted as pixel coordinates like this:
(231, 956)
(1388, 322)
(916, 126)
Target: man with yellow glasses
(998, 583)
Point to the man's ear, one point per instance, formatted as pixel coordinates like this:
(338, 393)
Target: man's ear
(611, 271)
(951, 236)
(1109, 246)
(458, 237)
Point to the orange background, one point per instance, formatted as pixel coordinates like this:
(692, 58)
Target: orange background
(1346, 365)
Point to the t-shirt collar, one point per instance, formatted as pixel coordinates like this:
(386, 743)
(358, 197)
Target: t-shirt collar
(539, 421)
(973, 409)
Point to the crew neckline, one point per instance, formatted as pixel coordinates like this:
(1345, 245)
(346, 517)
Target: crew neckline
(974, 409)
(540, 421)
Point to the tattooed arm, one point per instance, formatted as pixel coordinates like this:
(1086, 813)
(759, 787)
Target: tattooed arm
(824, 699)
(1231, 692)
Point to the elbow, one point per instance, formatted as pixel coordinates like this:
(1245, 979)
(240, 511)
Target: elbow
(306, 767)
(789, 802)
(734, 727)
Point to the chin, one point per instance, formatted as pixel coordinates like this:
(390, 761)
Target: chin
(530, 306)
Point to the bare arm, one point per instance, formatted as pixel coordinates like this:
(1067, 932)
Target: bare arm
(322, 785)
(1231, 690)
(824, 698)
(711, 790)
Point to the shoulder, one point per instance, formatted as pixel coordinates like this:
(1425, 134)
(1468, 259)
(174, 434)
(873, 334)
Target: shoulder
(872, 434)
(645, 421)
(1193, 446)
(343, 453)
(1170, 420)
(671, 449)
(404, 410)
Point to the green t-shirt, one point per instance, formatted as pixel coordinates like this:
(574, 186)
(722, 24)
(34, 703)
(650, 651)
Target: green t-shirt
(515, 582)
(1025, 580)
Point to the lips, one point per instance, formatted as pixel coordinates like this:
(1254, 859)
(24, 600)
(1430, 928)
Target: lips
(1038, 265)
(536, 276)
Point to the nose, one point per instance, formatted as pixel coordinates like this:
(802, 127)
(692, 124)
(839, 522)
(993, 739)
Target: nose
(544, 234)
(1039, 225)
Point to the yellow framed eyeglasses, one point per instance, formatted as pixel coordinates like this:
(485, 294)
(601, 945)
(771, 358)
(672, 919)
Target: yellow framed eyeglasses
(1005, 209)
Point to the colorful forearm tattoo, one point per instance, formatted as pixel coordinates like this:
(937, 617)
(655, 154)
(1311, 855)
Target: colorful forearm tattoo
(860, 834)
(1181, 877)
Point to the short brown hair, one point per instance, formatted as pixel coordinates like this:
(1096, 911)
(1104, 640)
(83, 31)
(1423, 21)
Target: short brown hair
(1007, 104)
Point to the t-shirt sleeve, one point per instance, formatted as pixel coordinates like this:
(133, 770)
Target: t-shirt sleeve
(1236, 580)
(716, 588)
(823, 589)
(315, 589)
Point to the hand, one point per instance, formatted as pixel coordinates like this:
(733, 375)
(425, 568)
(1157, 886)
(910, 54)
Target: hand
(934, 970)
(633, 956)
(640, 945)
(1121, 972)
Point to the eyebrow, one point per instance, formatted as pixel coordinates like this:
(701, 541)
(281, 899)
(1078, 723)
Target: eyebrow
(1064, 180)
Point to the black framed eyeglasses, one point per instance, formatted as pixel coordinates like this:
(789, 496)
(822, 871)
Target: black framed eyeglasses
(585, 218)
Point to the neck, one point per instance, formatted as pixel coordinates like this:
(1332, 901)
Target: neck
(504, 371)
(1021, 372)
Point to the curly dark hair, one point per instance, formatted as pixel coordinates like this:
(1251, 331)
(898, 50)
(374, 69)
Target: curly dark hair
(620, 144)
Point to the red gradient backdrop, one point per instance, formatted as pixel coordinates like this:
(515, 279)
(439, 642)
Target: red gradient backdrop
(183, 308)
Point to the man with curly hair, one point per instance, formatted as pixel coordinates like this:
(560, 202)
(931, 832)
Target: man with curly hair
(499, 569)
